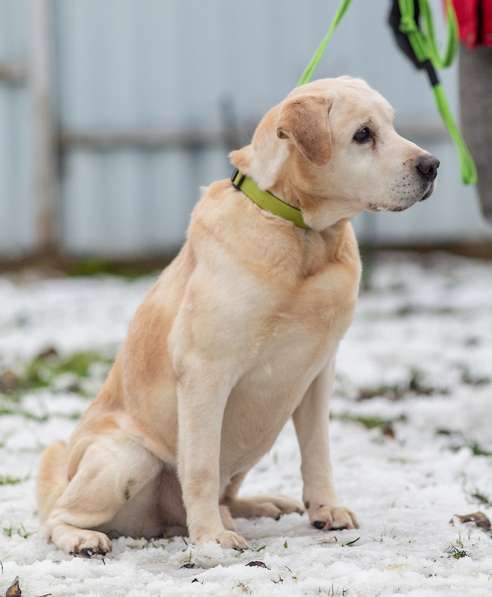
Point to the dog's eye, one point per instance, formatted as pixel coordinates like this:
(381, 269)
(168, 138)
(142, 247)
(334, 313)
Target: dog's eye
(363, 135)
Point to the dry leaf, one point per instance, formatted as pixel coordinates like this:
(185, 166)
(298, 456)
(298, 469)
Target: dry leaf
(47, 352)
(258, 563)
(478, 518)
(388, 430)
(14, 590)
(8, 381)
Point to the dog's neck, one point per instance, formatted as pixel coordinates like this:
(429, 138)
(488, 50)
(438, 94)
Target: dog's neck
(320, 211)
(289, 192)
(318, 247)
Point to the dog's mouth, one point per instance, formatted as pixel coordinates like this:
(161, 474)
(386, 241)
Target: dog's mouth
(379, 207)
(372, 207)
(428, 192)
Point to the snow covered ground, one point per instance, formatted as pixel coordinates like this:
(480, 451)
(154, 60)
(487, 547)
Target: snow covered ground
(411, 437)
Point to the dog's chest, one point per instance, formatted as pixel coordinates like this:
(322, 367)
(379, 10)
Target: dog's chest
(299, 339)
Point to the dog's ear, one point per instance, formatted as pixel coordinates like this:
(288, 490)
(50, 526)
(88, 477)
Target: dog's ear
(242, 158)
(264, 158)
(304, 121)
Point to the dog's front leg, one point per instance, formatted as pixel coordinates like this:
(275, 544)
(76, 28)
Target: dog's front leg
(311, 420)
(202, 395)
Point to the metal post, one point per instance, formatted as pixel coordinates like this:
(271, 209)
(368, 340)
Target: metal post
(44, 153)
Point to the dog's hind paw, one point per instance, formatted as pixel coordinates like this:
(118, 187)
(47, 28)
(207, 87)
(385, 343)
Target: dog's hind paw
(268, 506)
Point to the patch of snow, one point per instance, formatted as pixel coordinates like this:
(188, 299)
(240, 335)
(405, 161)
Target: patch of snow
(432, 316)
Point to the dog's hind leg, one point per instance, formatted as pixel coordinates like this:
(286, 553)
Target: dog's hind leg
(111, 472)
(52, 479)
(270, 506)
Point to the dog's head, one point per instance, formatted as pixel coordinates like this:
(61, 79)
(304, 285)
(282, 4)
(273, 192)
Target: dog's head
(332, 148)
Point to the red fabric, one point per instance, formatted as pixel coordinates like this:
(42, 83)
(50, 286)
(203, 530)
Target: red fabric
(475, 21)
(487, 22)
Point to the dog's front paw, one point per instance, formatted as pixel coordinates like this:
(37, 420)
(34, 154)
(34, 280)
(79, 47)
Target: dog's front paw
(227, 539)
(232, 540)
(82, 542)
(332, 518)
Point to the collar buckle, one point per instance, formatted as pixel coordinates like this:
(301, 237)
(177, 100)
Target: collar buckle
(237, 179)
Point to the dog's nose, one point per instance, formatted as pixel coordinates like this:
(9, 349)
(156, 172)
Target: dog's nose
(427, 166)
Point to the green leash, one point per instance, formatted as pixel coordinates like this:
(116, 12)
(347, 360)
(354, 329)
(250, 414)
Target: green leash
(307, 75)
(423, 43)
(421, 47)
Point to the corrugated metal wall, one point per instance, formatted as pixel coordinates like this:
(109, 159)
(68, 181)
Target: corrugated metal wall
(17, 226)
(169, 66)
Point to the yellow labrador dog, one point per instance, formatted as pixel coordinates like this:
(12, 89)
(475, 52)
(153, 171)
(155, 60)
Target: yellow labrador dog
(237, 335)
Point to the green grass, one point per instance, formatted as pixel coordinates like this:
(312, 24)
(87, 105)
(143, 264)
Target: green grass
(456, 551)
(478, 450)
(100, 267)
(460, 441)
(414, 385)
(411, 309)
(479, 497)
(19, 531)
(43, 370)
(18, 412)
(473, 379)
(10, 480)
(350, 543)
(369, 421)
(29, 416)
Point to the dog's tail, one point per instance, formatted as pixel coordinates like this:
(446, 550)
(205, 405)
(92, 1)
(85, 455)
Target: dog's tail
(52, 478)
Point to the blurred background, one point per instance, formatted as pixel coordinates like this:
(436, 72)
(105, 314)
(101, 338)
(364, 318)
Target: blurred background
(113, 113)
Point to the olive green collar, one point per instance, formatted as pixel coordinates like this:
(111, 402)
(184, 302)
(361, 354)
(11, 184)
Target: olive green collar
(266, 200)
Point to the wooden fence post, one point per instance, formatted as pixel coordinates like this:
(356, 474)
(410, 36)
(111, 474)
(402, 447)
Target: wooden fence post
(44, 144)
